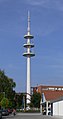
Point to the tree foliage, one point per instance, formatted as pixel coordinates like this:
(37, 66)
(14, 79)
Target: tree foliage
(35, 99)
(1, 96)
(19, 100)
(6, 86)
(4, 102)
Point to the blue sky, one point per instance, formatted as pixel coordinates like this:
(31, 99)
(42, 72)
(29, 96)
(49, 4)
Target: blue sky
(47, 28)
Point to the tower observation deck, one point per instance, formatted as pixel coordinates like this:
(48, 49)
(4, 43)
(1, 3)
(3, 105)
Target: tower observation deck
(28, 45)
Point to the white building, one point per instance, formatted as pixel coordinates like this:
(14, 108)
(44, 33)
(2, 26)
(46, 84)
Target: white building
(57, 107)
(52, 102)
(52, 99)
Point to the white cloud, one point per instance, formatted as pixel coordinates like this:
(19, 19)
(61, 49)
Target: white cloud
(12, 67)
(52, 4)
(37, 2)
(2, 1)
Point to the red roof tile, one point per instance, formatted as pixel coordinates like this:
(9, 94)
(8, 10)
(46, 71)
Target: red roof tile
(52, 95)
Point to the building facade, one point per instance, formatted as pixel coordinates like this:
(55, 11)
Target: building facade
(49, 99)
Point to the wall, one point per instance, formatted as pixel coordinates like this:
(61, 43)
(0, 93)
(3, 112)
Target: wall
(58, 108)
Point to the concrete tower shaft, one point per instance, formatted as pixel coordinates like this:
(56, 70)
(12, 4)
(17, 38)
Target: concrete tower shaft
(28, 54)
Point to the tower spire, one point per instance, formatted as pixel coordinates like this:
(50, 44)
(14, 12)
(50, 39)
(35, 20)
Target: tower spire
(28, 22)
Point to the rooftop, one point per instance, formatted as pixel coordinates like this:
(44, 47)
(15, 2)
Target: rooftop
(52, 95)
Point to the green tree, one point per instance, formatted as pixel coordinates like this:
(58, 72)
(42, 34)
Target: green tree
(10, 104)
(6, 85)
(35, 99)
(5, 102)
(1, 95)
(19, 100)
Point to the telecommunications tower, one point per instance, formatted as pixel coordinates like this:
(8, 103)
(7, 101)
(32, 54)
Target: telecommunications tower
(28, 45)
